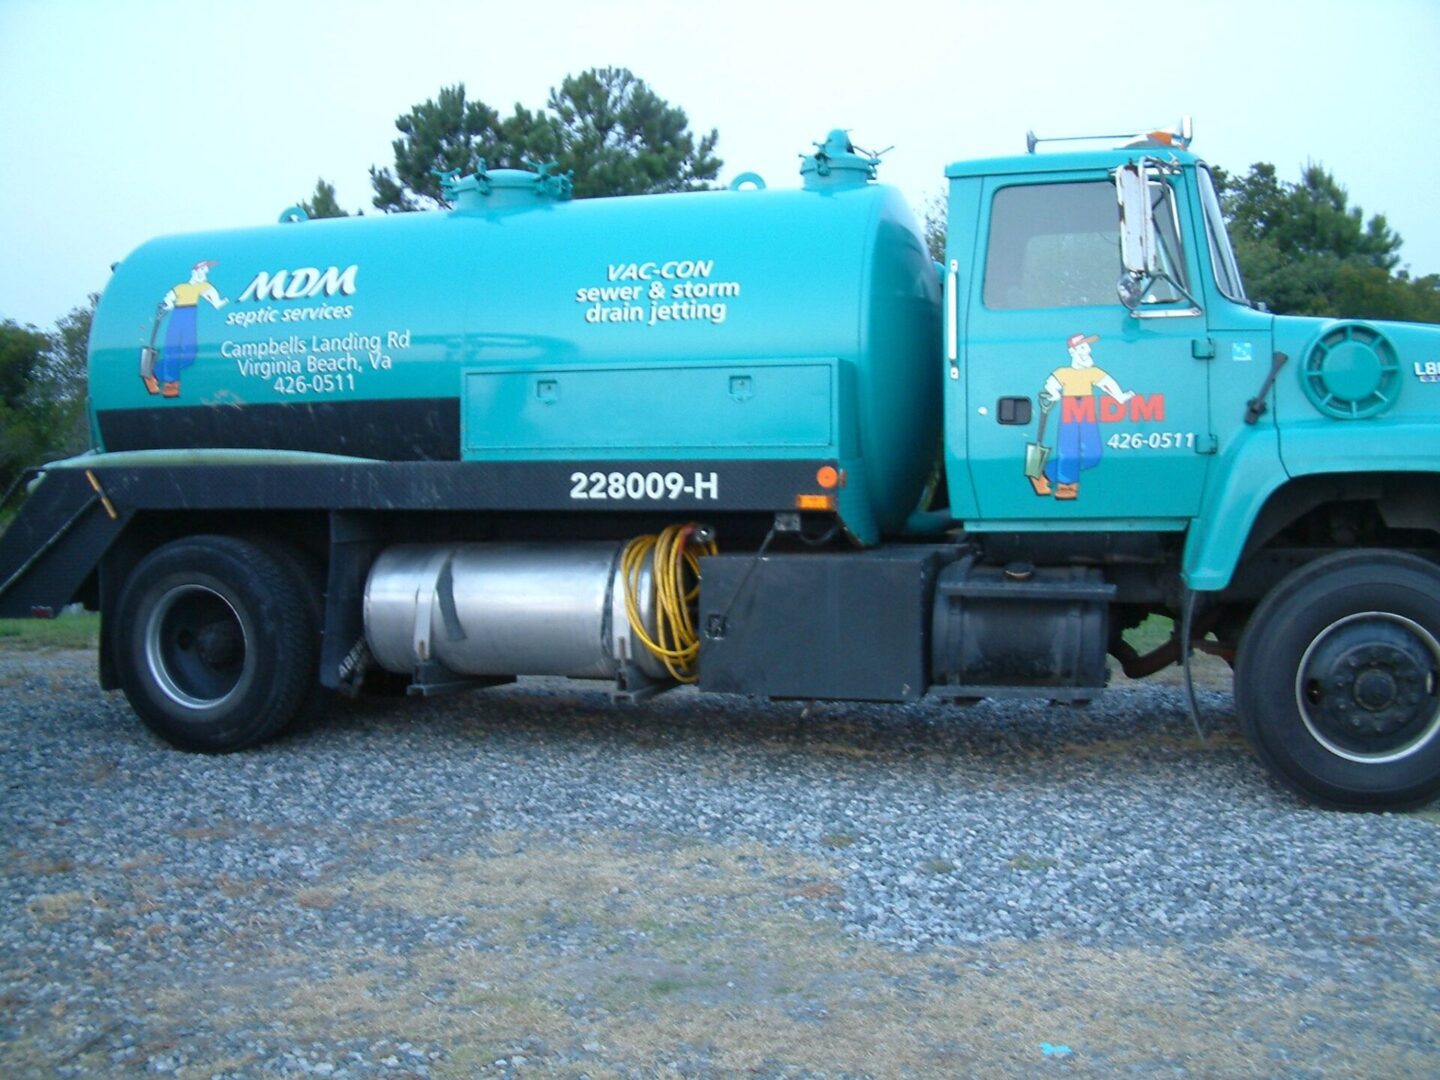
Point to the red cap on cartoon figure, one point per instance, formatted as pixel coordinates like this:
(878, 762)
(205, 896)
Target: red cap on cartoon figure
(1081, 339)
(205, 263)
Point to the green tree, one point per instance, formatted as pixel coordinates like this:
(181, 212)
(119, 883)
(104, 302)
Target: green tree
(621, 138)
(1424, 296)
(937, 216)
(42, 391)
(23, 351)
(321, 203)
(444, 133)
(60, 394)
(605, 125)
(1303, 249)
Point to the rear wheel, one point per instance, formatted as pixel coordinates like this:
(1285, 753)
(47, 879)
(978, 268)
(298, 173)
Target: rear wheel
(217, 640)
(1337, 684)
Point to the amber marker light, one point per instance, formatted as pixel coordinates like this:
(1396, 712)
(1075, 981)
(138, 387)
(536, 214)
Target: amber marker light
(827, 477)
(814, 502)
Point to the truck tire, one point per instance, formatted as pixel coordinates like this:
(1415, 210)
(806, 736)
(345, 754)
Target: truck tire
(216, 642)
(1337, 684)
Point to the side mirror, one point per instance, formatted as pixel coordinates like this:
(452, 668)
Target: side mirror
(1137, 227)
(1131, 288)
(1144, 263)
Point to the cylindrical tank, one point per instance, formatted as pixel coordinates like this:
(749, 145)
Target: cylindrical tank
(745, 325)
(506, 609)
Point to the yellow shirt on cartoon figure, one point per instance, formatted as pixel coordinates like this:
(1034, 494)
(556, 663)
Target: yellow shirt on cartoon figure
(188, 295)
(1078, 382)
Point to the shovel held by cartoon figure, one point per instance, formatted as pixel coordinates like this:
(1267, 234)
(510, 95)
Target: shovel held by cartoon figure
(149, 354)
(1037, 453)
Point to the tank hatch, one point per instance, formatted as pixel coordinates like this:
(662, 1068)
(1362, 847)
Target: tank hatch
(505, 189)
(837, 162)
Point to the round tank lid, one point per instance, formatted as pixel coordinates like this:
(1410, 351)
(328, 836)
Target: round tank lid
(498, 189)
(837, 162)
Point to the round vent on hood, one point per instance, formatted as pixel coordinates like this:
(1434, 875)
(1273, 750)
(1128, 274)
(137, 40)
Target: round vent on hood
(1351, 372)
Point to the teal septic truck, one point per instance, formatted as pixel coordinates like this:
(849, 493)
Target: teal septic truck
(759, 441)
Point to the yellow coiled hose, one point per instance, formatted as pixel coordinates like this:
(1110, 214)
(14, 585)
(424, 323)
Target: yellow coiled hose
(674, 557)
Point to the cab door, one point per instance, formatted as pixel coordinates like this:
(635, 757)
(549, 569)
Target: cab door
(1065, 409)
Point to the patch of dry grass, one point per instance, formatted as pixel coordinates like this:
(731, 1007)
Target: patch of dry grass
(56, 907)
(632, 953)
(1222, 741)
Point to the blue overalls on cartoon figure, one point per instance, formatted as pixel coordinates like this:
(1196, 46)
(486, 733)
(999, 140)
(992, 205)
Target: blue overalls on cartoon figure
(180, 343)
(181, 334)
(1078, 444)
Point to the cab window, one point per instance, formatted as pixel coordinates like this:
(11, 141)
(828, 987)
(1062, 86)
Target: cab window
(1058, 245)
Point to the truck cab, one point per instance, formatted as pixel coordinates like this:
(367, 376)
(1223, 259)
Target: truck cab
(1113, 399)
(1067, 407)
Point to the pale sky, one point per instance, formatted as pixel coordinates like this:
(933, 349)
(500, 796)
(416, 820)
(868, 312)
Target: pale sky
(121, 121)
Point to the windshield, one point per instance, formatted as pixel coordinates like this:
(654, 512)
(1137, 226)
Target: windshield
(1222, 256)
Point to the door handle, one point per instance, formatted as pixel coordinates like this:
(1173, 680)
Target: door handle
(952, 318)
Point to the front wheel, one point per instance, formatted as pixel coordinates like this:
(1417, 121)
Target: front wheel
(216, 641)
(1337, 684)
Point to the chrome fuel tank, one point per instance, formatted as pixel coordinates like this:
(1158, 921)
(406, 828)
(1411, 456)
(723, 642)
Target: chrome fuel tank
(506, 609)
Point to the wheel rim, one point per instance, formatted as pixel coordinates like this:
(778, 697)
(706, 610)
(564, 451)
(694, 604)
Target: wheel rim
(196, 648)
(1367, 687)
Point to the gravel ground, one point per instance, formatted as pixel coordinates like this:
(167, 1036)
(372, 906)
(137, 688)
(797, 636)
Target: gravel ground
(535, 882)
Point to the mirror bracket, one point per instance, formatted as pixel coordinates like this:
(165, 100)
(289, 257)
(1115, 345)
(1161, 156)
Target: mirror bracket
(1139, 243)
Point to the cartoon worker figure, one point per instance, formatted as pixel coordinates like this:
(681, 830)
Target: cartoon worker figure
(1077, 444)
(182, 304)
